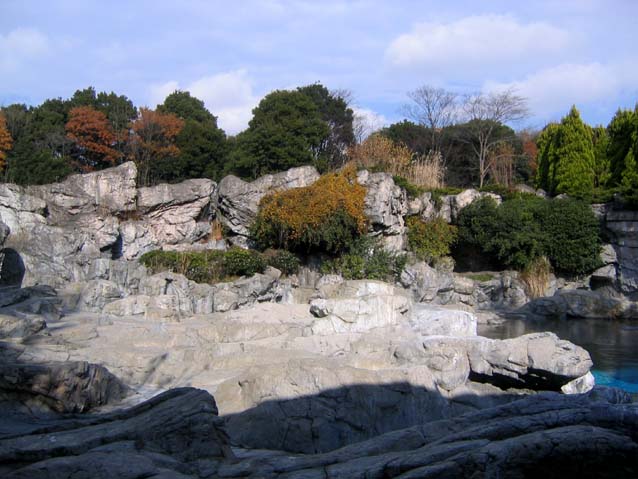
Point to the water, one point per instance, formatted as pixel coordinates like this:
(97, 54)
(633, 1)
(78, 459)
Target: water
(613, 345)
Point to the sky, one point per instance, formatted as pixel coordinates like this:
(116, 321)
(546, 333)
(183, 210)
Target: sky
(230, 54)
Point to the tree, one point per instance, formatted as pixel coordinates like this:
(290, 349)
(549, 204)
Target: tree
(434, 108)
(93, 136)
(602, 172)
(574, 168)
(333, 109)
(6, 142)
(286, 131)
(416, 137)
(119, 110)
(202, 144)
(153, 140)
(546, 144)
(41, 150)
(486, 112)
(623, 131)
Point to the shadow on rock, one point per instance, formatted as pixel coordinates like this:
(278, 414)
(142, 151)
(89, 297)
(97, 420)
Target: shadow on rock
(12, 268)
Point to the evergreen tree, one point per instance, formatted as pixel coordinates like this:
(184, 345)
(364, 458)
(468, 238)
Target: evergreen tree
(202, 144)
(621, 131)
(286, 131)
(334, 110)
(546, 144)
(601, 160)
(574, 169)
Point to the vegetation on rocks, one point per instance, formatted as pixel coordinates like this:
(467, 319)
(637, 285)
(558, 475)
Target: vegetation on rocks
(209, 266)
(430, 240)
(326, 216)
(521, 230)
(367, 259)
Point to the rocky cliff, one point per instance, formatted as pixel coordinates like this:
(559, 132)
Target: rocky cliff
(312, 376)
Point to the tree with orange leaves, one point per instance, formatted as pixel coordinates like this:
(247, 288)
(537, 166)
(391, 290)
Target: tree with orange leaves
(93, 136)
(6, 142)
(153, 139)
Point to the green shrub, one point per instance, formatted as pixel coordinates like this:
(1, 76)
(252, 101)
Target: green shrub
(199, 266)
(430, 240)
(525, 228)
(209, 266)
(439, 193)
(242, 262)
(326, 216)
(284, 261)
(411, 189)
(572, 236)
(367, 259)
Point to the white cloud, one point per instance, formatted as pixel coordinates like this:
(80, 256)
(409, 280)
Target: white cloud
(159, 92)
(553, 90)
(229, 96)
(19, 46)
(475, 42)
(367, 121)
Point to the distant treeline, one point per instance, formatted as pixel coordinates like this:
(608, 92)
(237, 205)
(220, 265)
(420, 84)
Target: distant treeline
(180, 139)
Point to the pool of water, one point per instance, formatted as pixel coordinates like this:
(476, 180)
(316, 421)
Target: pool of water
(613, 345)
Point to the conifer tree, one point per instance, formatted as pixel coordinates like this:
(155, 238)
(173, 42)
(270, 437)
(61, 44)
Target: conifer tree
(621, 130)
(574, 167)
(601, 160)
(546, 157)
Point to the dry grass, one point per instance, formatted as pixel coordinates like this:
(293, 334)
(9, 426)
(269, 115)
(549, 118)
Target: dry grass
(536, 277)
(378, 153)
(426, 171)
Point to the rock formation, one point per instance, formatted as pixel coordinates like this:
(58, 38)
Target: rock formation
(312, 376)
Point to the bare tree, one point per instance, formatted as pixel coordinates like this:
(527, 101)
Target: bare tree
(434, 108)
(485, 113)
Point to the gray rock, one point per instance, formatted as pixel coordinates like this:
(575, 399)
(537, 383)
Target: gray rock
(130, 306)
(359, 306)
(97, 293)
(532, 361)
(12, 327)
(424, 281)
(623, 227)
(577, 304)
(63, 387)
(238, 200)
(112, 190)
(4, 233)
(608, 255)
(432, 321)
(169, 215)
(164, 437)
(385, 206)
(580, 385)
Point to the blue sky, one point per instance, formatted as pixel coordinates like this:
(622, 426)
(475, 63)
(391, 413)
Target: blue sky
(230, 54)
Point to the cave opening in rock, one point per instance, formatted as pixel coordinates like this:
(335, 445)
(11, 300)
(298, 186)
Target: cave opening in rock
(12, 268)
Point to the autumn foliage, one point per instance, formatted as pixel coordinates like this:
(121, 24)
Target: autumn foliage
(325, 216)
(153, 138)
(6, 142)
(93, 135)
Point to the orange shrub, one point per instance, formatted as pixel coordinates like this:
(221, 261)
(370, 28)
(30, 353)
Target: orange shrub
(325, 216)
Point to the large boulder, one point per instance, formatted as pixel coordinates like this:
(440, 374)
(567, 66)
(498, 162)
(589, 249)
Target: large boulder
(623, 227)
(169, 215)
(108, 191)
(385, 206)
(359, 306)
(238, 200)
(539, 436)
(578, 303)
(167, 436)
(60, 386)
(532, 361)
